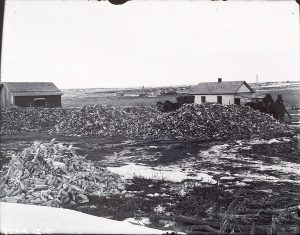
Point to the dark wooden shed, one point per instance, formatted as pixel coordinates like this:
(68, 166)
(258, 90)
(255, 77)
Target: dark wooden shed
(26, 94)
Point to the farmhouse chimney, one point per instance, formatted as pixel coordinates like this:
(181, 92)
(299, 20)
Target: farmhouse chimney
(219, 79)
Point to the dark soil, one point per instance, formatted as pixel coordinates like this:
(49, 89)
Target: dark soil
(216, 205)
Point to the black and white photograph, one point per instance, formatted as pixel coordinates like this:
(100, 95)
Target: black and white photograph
(150, 117)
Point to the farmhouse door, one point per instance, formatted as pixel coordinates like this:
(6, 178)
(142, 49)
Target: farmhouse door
(219, 99)
(237, 101)
(40, 102)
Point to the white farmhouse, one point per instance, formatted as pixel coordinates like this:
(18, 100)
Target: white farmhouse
(226, 93)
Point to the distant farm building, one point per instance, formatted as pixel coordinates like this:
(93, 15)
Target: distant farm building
(26, 94)
(228, 92)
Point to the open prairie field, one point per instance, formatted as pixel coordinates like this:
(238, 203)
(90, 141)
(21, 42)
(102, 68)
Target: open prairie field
(290, 92)
(240, 175)
(120, 97)
(149, 96)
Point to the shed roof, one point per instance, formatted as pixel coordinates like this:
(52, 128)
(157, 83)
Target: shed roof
(32, 88)
(216, 88)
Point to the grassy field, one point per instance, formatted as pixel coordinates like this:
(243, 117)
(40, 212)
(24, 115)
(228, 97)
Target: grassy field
(119, 97)
(149, 96)
(79, 100)
(290, 93)
(291, 97)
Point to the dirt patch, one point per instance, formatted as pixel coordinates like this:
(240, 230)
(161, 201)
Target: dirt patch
(252, 181)
(213, 205)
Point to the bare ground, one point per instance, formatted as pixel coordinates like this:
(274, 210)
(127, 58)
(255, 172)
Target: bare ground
(236, 186)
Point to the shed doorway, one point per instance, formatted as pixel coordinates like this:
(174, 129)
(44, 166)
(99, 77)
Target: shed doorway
(237, 101)
(39, 102)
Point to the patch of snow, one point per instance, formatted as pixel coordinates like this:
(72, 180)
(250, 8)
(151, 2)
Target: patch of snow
(220, 155)
(128, 142)
(248, 177)
(190, 184)
(218, 148)
(266, 190)
(279, 84)
(285, 139)
(29, 219)
(153, 195)
(214, 154)
(227, 178)
(285, 167)
(258, 177)
(157, 195)
(171, 173)
(182, 192)
(246, 147)
(274, 140)
(247, 180)
(159, 209)
(152, 147)
(169, 224)
(240, 183)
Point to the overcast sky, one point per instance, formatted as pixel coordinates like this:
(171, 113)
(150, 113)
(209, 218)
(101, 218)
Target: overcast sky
(79, 44)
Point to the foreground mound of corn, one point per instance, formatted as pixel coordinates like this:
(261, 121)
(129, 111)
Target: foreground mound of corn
(52, 174)
(192, 121)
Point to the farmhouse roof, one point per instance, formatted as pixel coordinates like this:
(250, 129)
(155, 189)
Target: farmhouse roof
(216, 88)
(32, 88)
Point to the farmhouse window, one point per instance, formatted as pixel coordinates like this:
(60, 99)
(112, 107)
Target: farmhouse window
(237, 101)
(219, 99)
(203, 99)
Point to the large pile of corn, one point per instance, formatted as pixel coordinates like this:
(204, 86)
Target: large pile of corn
(209, 121)
(16, 120)
(190, 121)
(52, 174)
